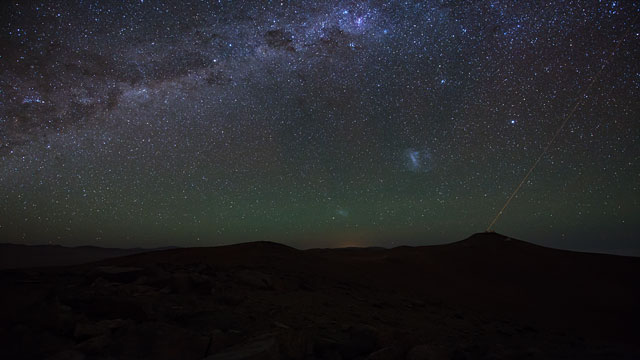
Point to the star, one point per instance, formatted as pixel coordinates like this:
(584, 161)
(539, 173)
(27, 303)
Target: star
(242, 119)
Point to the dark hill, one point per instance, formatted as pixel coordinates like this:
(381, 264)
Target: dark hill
(14, 256)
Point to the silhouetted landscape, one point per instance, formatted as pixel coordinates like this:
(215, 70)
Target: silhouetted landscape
(343, 152)
(486, 297)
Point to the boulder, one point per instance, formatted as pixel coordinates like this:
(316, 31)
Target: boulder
(229, 298)
(118, 273)
(100, 283)
(181, 283)
(425, 352)
(109, 307)
(363, 339)
(68, 355)
(387, 353)
(160, 340)
(218, 341)
(294, 343)
(327, 348)
(259, 349)
(255, 279)
(86, 330)
(27, 342)
(202, 283)
(210, 319)
(95, 345)
(55, 317)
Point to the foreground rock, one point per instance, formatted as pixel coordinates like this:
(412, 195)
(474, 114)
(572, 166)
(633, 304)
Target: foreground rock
(261, 349)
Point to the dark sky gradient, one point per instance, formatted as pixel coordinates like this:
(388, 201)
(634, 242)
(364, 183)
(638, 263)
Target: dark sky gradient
(317, 123)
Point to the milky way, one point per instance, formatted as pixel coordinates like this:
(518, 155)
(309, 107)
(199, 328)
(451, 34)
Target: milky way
(143, 123)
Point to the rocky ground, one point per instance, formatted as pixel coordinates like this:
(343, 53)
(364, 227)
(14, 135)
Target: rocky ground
(267, 301)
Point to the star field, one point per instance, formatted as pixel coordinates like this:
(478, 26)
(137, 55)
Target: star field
(318, 123)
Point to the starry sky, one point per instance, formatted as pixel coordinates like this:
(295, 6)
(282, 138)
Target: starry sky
(318, 123)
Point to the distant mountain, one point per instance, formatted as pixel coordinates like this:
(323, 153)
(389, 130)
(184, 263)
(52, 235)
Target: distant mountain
(15, 256)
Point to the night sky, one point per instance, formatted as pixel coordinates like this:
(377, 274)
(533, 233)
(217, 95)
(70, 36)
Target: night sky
(318, 123)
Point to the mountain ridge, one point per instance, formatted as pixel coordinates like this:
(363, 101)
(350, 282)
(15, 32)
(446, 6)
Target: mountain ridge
(44, 255)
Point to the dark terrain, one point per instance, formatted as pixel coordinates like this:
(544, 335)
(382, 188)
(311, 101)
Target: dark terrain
(14, 256)
(486, 297)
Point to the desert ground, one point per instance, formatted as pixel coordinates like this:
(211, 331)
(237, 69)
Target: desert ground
(485, 297)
